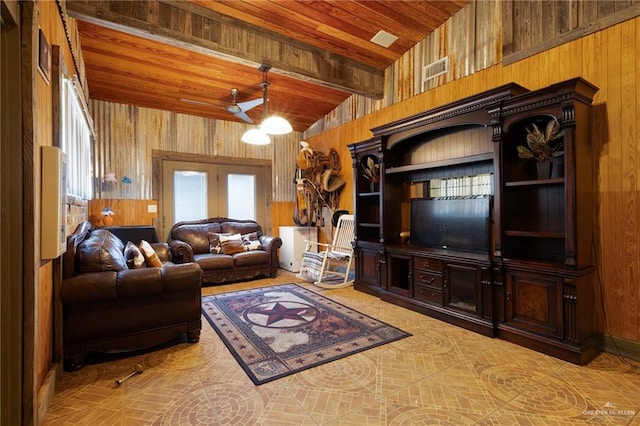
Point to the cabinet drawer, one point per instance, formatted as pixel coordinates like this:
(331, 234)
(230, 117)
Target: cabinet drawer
(427, 294)
(426, 278)
(427, 264)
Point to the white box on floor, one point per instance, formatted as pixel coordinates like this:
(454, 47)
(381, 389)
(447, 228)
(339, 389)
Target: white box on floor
(293, 244)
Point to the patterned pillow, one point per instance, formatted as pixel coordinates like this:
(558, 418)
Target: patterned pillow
(214, 241)
(251, 241)
(133, 255)
(231, 244)
(150, 256)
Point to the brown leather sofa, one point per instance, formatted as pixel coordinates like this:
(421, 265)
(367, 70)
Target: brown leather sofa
(109, 308)
(191, 241)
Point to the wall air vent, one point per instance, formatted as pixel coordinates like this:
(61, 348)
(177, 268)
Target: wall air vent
(434, 69)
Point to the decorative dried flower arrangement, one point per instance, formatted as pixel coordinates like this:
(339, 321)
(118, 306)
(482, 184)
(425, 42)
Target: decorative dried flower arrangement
(371, 170)
(539, 144)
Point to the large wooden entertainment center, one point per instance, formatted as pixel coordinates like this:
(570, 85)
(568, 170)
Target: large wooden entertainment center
(457, 226)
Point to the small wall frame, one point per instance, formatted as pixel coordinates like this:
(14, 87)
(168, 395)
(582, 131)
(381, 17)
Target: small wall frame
(44, 57)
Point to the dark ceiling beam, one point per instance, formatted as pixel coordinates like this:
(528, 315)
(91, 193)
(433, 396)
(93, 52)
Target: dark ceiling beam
(192, 27)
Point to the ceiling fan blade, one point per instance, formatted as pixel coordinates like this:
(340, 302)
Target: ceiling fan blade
(243, 116)
(246, 106)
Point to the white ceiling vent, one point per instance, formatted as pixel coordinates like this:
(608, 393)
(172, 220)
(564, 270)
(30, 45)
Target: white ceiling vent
(383, 38)
(434, 69)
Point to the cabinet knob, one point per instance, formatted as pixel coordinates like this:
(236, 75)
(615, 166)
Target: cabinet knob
(508, 295)
(428, 281)
(446, 282)
(426, 265)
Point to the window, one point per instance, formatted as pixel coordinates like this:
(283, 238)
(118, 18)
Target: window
(75, 142)
(190, 195)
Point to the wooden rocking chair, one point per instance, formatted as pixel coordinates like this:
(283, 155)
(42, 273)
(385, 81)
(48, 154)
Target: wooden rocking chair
(331, 267)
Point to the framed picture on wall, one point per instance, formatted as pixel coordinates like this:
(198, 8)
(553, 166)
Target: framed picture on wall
(44, 57)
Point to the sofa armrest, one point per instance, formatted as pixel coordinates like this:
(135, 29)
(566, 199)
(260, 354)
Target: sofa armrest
(182, 277)
(182, 252)
(271, 245)
(163, 251)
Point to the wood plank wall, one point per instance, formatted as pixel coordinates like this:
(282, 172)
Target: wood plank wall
(126, 211)
(554, 23)
(126, 136)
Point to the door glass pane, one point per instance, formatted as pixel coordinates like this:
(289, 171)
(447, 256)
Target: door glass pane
(241, 190)
(190, 195)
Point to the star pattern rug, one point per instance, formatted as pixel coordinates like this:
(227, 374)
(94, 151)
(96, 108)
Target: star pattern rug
(279, 330)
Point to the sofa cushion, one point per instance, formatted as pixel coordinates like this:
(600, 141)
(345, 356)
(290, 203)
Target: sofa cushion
(251, 258)
(196, 235)
(101, 251)
(150, 256)
(213, 261)
(133, 256)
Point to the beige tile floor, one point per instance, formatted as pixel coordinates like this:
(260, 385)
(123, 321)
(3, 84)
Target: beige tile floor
(442, 375)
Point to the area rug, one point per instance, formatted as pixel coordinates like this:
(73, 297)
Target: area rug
(279, 330)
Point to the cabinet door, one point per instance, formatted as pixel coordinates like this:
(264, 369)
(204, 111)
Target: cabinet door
(462, 287)
(534, 302)
(399, 270)
(368, 267)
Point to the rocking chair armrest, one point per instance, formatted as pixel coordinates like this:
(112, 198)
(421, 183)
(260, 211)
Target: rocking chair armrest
(340, 247)
(310, 243)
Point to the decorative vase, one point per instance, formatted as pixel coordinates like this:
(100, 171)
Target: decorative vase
(543, 169)
(107, 220)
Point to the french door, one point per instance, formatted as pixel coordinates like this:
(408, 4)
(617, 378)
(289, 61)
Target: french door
(194, 191)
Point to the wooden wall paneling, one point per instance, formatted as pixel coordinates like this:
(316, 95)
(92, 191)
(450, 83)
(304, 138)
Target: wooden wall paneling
(127, 211)
(629, 181)
(551, 24)
(613, 159)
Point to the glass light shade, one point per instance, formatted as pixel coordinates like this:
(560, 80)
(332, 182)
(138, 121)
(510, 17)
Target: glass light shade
(276, 125)
(256, 137)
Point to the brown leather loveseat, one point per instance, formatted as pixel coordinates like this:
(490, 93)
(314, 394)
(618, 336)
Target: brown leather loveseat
(199, 241)
(108, 307)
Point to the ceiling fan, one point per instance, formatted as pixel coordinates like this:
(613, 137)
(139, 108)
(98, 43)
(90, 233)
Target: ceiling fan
(239, 109)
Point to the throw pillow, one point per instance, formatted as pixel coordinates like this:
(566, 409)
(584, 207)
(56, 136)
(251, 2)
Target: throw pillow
(251, 241)
(231, 244)
(150, 256)
(214, 242)
(133, 255)
(253, 245)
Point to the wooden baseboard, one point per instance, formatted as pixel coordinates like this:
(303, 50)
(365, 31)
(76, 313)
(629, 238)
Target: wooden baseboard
(622, 347)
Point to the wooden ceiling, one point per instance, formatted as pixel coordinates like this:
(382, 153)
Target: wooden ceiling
(185, 56)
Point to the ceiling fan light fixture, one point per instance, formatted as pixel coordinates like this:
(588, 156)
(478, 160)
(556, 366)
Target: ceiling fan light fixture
(276, 125)
(256, 137)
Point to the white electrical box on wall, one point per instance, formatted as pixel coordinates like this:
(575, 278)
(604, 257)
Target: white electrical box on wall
(53, 209)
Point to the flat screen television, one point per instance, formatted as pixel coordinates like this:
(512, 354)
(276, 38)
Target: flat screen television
(455, 224)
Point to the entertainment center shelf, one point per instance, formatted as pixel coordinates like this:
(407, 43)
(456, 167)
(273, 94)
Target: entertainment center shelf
(537, 182)
(453, 222)
(437, 164)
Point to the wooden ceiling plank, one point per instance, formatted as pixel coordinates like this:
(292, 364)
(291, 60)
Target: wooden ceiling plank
(285, 24)
(305, 21)
(351, 79)
(405, 28)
